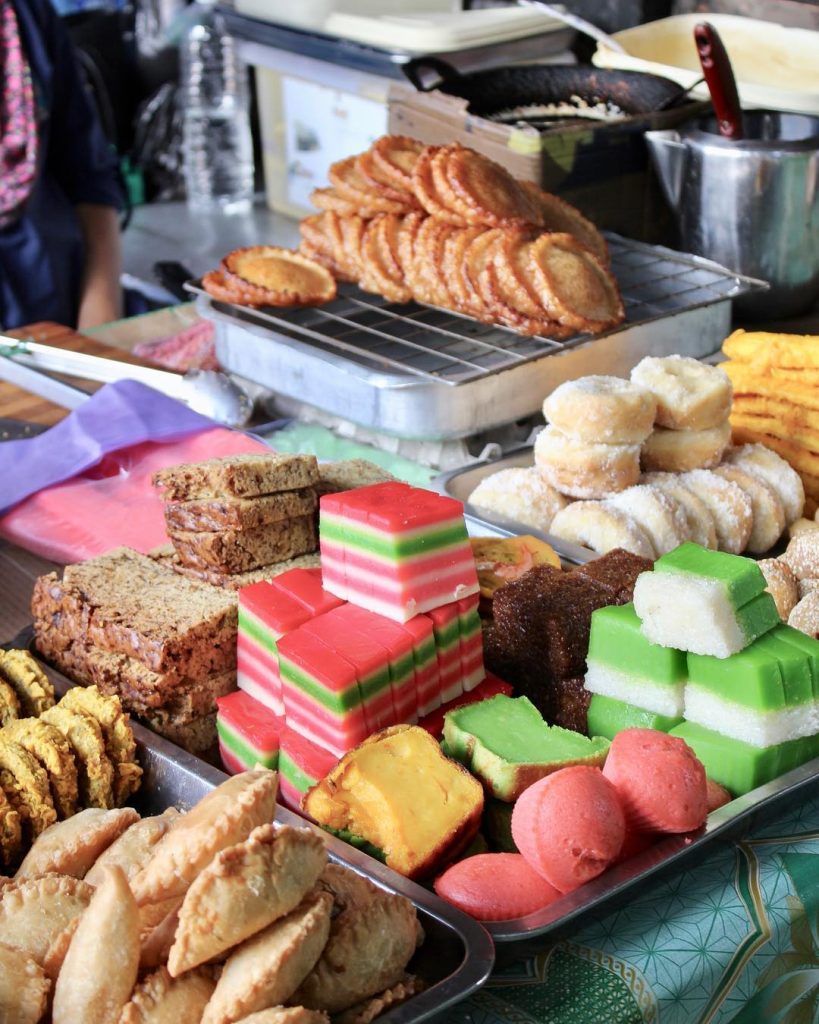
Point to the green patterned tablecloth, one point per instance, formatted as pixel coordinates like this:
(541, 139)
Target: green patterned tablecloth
(736, 938)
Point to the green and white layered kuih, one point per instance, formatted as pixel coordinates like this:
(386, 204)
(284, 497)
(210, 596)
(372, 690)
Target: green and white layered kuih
(705, 602)
(624, 665)
(764, 696)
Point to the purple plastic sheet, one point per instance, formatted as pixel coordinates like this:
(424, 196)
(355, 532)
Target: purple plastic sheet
(117, 416)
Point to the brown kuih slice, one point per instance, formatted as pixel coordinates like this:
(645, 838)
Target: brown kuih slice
(70, 847)
(23, 987)
(372, 938)
(100, 968)
(489, 190)
(574, 287)
(395, 156)
(558, 215)
(272, 276)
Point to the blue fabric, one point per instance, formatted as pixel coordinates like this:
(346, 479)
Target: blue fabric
(41, 255)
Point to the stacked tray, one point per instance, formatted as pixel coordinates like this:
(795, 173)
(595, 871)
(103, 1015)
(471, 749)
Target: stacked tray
(458, 954)
(424, 373)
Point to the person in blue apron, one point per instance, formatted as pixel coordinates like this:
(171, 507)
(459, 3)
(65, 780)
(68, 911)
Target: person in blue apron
(60, 193)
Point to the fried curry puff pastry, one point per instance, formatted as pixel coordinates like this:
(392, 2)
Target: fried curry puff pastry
(161, 999)
(70, 847)
(23, 987)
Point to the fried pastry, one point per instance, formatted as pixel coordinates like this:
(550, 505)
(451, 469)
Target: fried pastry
(558, 215)
(351, 185)
(161, 999)
(426, 192)
(367, 1011)
(32, 686)
(48, 745)
(34, 913)
(286, 1015)
(156, 942)
(487, 192)
(70, 847)
(395, 156)
(224, 817)
(576, 288)
(94, 768)
(382, 183)
(133, 849)
(244, 889)
(372, 938)
(221, 288)
(26, 786)
(120, 745)
(55, 957)
(9, 703)
(266, 275)
(100, 968)
(23, 987)
(268, 968)
(11, 831)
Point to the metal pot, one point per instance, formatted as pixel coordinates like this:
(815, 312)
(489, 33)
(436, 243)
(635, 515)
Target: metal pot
(752, 205)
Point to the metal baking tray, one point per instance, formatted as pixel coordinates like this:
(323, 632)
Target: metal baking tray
(460, 483)
(430, 374)
(457, 954)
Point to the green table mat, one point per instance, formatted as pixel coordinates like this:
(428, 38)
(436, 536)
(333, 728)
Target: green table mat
(736, 938)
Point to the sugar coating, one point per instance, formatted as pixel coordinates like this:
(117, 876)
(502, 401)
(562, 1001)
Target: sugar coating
(583, 469)
(680, 450)
(690, 395)
(775, 471)
(660, 516)
(805, 615)
(601, 409)
(807, 586)
(768, 511)
(700, 522)
(601, 527)
(520, 493)
(728, 504)
(802, 555)
(782, 585)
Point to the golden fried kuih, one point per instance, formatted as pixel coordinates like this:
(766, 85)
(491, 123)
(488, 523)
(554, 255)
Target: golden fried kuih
(400, 793)
(23, 987)
(34, 913)
(161, 998)
(48, 745)
(9, 703)
(32, 685)
(94, 768)
(26, 785)
(70, 847)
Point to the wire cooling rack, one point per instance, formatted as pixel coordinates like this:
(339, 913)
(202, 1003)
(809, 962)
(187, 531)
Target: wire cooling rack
(445, 347)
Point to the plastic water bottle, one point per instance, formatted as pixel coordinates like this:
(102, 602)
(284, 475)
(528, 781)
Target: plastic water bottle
(217, 143)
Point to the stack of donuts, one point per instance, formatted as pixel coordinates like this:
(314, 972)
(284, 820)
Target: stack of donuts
(651, 462)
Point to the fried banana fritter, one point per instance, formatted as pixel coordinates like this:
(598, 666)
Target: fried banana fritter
(26, 785)
(53, 751)
(30, 683)
(120, 745)
(95, 771)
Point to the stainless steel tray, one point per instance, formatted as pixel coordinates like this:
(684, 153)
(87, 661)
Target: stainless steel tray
(460, 483)
(429, 374)
(457, 955)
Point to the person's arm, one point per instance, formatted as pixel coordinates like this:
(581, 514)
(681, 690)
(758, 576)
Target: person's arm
(101, 295)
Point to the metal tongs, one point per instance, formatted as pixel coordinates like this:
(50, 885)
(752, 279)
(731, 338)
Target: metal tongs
(206, 391)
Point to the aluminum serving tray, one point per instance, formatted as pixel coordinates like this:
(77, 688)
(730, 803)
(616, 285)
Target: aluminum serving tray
(424, 373)
(457, 955)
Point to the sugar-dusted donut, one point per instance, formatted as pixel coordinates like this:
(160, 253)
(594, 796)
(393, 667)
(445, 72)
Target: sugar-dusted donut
(728, 504)
(805, 616)
(775, 471)
(584, 470)
(690, 395)
(677, 451)
(768, 510)
(605, 410)
(520, 493)
(700, 521)
(661, 516)
(601, 527)
(782, 585)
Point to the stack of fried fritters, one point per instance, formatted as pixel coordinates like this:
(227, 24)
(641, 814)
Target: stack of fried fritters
(448, 227)
(56, 758)
(204, 918)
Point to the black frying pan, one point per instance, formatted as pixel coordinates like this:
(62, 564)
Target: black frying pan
(492, 93)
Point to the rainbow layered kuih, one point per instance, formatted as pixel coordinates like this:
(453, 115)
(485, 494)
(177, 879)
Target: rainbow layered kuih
(248, 733)
(302, 764)
(447, 627)
(322, 698)
(396, 550)
(473, 671)
(305, 587)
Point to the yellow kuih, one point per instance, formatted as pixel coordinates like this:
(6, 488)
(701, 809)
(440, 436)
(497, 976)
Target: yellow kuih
(400, 793)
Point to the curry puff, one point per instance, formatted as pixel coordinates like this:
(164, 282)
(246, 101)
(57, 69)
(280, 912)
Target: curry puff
(32, 686)
(35, 912)
(23, 987)
(70, 847)
(244, 889)
(161, 999)
(132, 850)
